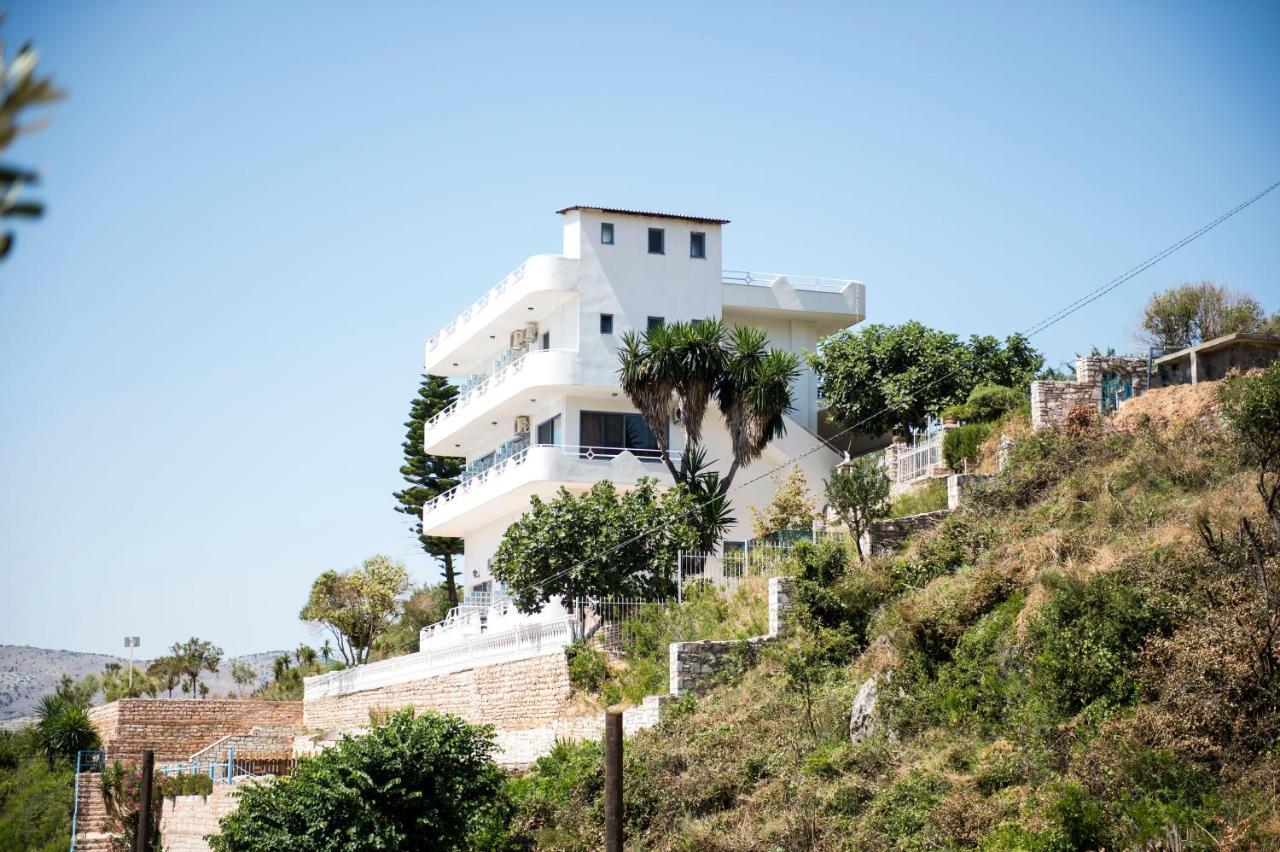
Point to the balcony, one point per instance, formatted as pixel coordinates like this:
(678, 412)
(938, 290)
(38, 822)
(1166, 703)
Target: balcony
(503, 394)
(532, 290)
(834, 303)
(504, 487)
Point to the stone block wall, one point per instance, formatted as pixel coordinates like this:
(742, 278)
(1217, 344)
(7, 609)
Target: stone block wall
(782, 592)
(889, 534)
(1051, 402)
(513, 695)
(178, 728)
(959, 485)
(261, 740)
(185, 820)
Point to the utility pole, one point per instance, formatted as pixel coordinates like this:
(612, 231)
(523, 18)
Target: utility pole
(131, 642)
(613, 780)
(143, 834)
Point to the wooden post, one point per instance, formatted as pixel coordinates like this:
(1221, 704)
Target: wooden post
(144, 807)
(613, 780)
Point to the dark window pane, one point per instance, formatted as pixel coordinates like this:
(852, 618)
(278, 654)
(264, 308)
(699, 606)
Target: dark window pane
(606, 233)
(606, 323)
(657, 241)
(697, 244)
(655, 322)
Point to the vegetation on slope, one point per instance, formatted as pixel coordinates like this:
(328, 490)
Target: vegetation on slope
(1082, 659)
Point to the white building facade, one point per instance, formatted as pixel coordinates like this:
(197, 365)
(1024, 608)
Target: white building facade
(541, 407)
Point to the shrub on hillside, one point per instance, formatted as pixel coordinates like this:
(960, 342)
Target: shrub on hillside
(416, 782)
(930, 497)
(588, 667)
(1085, 638)
(961, 444)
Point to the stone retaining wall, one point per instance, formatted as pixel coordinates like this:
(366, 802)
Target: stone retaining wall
(513, 695)
(262, 740)
(185, 820)
(175, 729)
(889, 534)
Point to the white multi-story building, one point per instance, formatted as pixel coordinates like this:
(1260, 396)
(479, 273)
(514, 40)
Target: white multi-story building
(537, 361)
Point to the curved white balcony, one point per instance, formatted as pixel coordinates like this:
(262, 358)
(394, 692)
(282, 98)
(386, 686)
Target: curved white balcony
(532, 290)
(501, 395)
(505, 488)
(833, 303)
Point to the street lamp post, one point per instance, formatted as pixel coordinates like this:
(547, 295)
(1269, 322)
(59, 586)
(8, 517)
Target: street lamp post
(131, 642)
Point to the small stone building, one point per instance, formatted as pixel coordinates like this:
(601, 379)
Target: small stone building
(1213, 359)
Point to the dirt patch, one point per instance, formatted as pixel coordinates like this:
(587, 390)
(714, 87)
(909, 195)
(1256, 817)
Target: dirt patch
(1166, 407)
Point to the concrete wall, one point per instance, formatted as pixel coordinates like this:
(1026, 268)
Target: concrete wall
(178, 728)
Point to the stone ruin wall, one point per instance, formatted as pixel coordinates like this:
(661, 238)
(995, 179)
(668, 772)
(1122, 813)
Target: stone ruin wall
(1051, 402)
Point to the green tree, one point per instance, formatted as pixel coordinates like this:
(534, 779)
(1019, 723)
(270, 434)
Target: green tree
(599, 544)
(358, 606)
(1189, 314)
(191, 659)
(416, 782)
(116, 682)
(1251, 405)
(677, 370)
(792, 507)
(430, 476)
(858, 492)
(885, 377)
(427, 604)
(167, 670)
(243, 674)
(21, 89)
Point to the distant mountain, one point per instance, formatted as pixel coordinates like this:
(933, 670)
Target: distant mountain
(28, 673)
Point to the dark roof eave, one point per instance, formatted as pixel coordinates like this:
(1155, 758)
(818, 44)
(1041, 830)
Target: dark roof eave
(646, 213)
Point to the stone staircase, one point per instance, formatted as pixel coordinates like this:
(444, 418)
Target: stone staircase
(91, 816)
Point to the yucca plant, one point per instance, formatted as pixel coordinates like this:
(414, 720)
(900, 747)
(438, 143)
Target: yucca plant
(673, 372)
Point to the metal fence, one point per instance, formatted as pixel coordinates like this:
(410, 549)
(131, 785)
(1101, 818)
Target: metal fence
(756, 558)
(606, 619)
(920, 458)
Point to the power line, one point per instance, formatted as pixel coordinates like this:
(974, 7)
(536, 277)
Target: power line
(1043, 325)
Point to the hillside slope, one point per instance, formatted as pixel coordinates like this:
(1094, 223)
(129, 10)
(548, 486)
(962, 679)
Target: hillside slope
(27, 673)
(1068, 663)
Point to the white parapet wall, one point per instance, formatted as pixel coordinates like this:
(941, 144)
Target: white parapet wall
(516, 643)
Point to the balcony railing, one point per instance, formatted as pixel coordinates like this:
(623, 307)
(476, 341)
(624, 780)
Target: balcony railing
(800, 282)
(518, 457)
(510, 280)
(480, 385)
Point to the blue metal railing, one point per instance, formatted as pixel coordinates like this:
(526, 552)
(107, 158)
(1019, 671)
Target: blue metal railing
(90, 760)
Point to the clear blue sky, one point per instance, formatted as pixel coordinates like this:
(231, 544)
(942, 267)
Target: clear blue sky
(258, 212)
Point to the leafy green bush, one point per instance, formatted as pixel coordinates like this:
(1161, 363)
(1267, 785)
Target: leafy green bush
(557, 801)
(35, 798)
(988, 403)
(961, 444)
(416, 782)
(588, 667)
(930, 497)
(1085, 638)
(184, 784)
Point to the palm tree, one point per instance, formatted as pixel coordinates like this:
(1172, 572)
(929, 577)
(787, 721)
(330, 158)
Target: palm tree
(674, 371)
(20, 89)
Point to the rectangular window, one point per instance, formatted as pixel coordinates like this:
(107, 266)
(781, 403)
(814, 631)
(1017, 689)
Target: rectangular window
(549, 431)
(606, 233)
(546, 340)
(697, 244)
(657, 241)
(606, 433)
(656, 322)
(606, 323)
